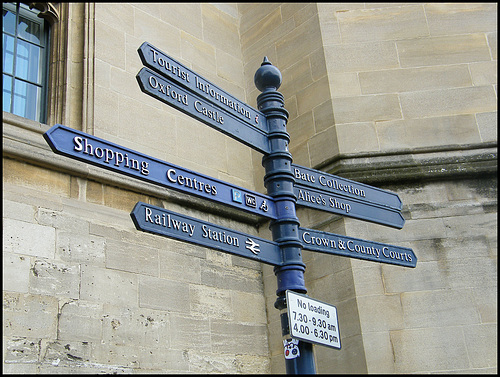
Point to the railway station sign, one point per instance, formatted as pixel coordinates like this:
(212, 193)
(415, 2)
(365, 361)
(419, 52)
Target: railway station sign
(170, 224)
(312, 320)
(93, 150)
(330, 243)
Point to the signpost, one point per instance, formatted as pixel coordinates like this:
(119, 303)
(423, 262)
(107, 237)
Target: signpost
(338, 186)
(93, 150)
(335, 244)
(166, 223)
(202, 110)
(304, 320)
(176, 72)
(343, 205)
(312, 320)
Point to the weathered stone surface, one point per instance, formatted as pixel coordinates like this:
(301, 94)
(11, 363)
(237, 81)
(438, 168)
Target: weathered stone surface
(29, 239)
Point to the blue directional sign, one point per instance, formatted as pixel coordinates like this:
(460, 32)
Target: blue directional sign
(199, 108)
(93, 150)
(335, 185)
(331, 243)
(170, 68)
(170, 224)
(345, 206)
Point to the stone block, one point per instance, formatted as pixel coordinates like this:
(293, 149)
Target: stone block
(61, 221)
(345, 84)
(30, 316)
(471, 273)
(349, 360)
(487, 124)
(221, 32)
(106, 112)
(439, 308)
(370, 108)
(380, 313)
(357, 137)
(140, 327)
(348, 316)
(18, 211)
(307, 99)
(80, 321)
(180, 267)
(368, 279)
(249, 307)
(486, 301)
(382, 24)
(235, 278)
(67, 353)
(45, 180)
(80, 248)
(190, 332)
(492, 44)
(177, 14)
(163, 294)
(364, 56)
(238, 338)
(145, 358)
(322, 145)
(136, 259)
(16, 271)
(300, 41)
(444, 350)
(20, 350)
(29, 239)
(424, 132)
(378, 351)
(122, 199)
(482, 345)
(210, 302)
(55, 279)
(118, 18)
(427, 276)
(414, 79)
(454, 49)
(461, 18)
(266, 25)
(484, 73)
(433, 103)
(113, 54)
(108, 286)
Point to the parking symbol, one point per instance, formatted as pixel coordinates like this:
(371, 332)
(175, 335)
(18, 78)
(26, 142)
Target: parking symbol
(237, 196)
(250, 201)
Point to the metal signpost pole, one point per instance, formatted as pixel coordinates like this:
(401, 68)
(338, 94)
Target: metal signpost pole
(279, 181)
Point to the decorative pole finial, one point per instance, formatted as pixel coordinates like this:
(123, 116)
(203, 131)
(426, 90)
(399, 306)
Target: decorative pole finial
(267, 77)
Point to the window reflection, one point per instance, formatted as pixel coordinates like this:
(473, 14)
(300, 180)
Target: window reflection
(24, 53)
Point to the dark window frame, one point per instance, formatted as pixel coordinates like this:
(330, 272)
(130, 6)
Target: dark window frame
(43, 46)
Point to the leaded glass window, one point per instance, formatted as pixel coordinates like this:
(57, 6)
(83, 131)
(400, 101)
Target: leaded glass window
(25, 66)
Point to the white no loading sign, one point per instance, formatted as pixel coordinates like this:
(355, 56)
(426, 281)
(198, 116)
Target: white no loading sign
(312, 320)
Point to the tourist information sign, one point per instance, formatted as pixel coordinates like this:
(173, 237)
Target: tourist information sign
(205, 111)
(342, 205)
(335, 185)
(170, 68)
(330, 243)
(166, 223)
(93, 150)
(312, 320)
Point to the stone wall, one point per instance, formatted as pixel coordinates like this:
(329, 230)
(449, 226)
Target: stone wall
(84, 290)
(401, 96)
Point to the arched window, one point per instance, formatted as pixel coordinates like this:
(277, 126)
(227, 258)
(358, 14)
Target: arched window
(25, 50)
